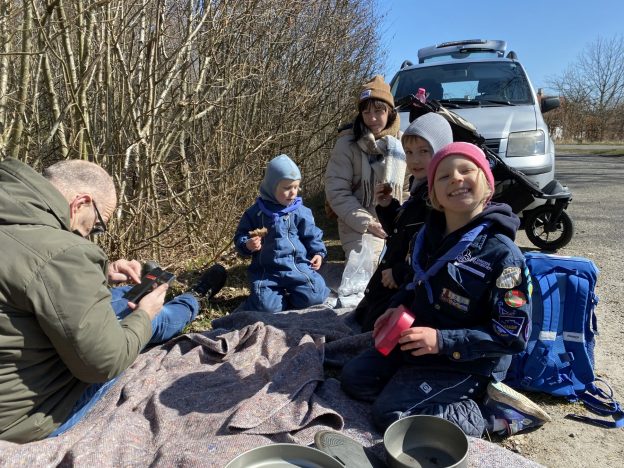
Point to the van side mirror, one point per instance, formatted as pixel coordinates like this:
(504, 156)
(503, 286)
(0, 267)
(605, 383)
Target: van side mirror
(549, 103)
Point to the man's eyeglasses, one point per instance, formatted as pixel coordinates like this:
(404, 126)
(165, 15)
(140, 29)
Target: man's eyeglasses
(100, 226)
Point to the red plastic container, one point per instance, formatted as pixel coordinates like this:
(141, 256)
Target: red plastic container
(388, 337)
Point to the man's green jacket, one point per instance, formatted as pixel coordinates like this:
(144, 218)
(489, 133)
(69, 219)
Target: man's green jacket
(58, 331)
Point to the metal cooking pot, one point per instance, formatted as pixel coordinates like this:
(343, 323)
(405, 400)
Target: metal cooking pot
(425, 442)
(284, 456)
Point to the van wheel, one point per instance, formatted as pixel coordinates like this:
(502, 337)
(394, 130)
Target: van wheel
(536, 226)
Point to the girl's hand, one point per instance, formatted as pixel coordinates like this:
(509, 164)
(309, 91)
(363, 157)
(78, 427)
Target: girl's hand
(376, 230)
(254, 244)
(422, 340)
(388, 280)
(381, 320)
(316, 261)
(382, 196)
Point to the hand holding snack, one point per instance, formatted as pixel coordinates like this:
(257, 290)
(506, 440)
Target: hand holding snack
(383, 194)
(254, 243)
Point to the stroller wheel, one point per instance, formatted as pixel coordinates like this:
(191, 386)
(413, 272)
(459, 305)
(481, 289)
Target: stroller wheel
(545, 235)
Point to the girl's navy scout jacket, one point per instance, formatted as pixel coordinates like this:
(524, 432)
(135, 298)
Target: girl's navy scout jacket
(481, 300)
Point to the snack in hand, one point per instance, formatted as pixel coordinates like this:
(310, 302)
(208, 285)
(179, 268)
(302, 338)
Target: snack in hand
(387, 189)
(260, 232)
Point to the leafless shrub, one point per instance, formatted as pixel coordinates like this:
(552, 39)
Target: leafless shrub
(182, 101)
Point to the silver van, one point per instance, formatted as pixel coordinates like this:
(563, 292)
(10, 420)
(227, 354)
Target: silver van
(476, 80)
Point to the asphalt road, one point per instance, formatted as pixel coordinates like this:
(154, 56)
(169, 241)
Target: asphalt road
(597, 210)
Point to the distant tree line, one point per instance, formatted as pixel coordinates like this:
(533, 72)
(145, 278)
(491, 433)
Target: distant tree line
(182, 101)
(592, 91)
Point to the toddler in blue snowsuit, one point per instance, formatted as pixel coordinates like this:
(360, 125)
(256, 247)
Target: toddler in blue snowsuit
(284, 259)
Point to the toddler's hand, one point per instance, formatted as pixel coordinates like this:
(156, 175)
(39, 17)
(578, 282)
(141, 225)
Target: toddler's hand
(376, 230)
(383, 197)
(422, 340)
(315, 262)
(388, 280)
(254, 244)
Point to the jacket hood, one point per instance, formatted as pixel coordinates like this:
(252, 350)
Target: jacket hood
(279, 168)
(502, 221)
(32, 200)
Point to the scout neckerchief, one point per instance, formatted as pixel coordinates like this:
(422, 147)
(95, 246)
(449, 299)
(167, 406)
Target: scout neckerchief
(275, 215)
(422, 276)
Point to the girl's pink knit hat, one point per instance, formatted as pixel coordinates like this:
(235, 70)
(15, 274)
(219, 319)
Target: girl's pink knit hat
(467, 150)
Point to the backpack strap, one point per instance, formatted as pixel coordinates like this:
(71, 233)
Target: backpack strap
(602, 403)
(538, 361)
(577, 298)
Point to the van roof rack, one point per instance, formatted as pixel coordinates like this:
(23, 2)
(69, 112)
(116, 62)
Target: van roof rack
(462, 49)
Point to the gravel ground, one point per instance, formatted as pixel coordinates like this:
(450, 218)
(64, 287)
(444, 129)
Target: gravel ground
(597, 185)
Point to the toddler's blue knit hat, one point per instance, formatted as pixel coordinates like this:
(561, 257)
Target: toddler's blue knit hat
(279, 168)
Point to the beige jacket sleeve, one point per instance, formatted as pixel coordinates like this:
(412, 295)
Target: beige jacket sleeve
(343, 184)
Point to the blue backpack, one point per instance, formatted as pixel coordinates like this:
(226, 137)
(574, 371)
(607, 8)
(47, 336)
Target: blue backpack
(559, 358)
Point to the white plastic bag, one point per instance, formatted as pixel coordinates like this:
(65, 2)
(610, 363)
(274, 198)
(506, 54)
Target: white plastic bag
(359, 268)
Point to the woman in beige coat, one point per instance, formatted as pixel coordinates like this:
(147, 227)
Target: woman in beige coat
(363, 158)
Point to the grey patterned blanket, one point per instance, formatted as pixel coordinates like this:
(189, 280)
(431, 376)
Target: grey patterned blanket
(202, 399)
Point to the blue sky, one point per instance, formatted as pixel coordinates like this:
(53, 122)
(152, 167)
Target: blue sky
(547, 35)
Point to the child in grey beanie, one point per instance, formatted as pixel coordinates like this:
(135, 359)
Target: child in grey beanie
(421, 140)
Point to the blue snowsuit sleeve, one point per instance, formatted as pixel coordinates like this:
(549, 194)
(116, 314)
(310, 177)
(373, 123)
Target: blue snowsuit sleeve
(310, 235)
(248, 222)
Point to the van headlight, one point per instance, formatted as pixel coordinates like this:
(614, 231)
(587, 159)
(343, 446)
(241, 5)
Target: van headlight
(526, 143)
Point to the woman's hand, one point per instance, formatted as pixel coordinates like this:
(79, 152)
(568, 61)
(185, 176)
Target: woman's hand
(123, 270)
(421, 340)
(316, 261)
(254, 244)
(376, 230)
(388, 280)
(383, 197)
(381, 320)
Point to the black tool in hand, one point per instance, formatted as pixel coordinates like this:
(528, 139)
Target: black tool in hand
(151, 280)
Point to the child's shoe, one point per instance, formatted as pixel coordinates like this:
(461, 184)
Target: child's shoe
(508, 412)
(210, 282)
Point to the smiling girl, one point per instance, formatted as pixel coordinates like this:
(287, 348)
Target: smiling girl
(470, 295)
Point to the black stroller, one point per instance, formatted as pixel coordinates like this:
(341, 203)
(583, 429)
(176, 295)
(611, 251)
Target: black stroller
(548, 226)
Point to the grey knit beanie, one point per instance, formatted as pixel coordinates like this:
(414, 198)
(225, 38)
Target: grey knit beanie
(433, 128)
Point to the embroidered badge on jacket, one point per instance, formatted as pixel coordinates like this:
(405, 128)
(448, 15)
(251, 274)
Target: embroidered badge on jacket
(515, 298)
(508, 325)
(509, 278)
(455, 300)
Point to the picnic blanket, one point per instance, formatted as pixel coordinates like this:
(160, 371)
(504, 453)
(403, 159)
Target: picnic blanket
(204, 398)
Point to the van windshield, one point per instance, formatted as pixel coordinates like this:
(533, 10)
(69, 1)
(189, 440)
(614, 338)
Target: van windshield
(468, 83)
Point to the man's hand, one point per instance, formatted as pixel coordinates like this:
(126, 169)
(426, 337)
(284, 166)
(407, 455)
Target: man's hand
(388, 280)
(123, 270)
(152, 302)
(254, 244)
(422, 340)
(316, 261)
(376, 230)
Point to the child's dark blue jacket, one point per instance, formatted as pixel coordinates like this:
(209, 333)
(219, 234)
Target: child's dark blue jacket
(480, 300)
(291, 241)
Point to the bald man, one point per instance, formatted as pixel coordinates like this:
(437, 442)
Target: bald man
(63, 337)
